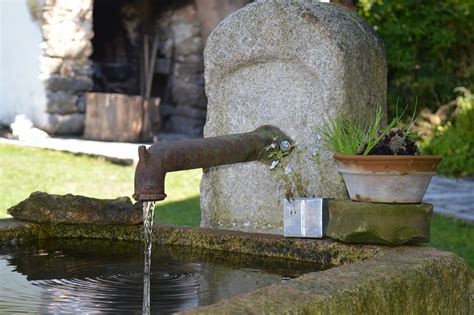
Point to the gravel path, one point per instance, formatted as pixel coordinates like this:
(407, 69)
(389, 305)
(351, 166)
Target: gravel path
(453, 197)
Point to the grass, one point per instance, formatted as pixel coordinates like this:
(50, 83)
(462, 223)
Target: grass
(454, 236)
(24, 170)
(344, 135)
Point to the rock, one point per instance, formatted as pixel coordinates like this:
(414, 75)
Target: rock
(191, 59)
(65, 124)
(65, 48)
(379, 223)
(188, 91)
(184, 111)
(189, 69)
(45, 208)
(69, 84)
(23, 130)
(65, 67)
(81, 103)
(285, 63)
(190, 46)
(62, 103)
(50, 65)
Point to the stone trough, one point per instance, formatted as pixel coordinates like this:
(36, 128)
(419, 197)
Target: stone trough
(358, 279)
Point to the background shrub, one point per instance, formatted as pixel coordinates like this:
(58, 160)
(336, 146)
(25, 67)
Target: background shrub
(429, 46)
(452, 137)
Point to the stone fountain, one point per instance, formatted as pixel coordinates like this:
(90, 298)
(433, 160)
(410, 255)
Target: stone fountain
(286, 63)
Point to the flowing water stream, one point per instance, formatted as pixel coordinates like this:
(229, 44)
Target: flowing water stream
(148, 211)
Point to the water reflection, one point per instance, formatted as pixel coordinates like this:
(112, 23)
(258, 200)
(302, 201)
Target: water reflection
(107, 277)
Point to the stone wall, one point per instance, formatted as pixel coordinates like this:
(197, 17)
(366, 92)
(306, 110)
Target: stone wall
(211, 12)
(184, 103)
(65, 66)
(69, 68)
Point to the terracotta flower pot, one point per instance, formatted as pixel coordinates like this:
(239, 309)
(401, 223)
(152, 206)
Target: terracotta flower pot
(387, 178)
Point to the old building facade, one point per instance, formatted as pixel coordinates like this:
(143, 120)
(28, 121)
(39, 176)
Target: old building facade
(134, 47)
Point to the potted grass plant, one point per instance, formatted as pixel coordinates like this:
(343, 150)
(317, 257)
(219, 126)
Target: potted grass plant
(379, 163)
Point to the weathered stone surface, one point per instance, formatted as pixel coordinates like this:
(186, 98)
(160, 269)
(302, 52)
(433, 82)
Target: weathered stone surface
(67, 28)
(188, 91)
(65, 124)
(211, 12)
(185, 125)
(62, 48)
(285, 63)
(50, 65)
(363, 279)
(69, 84)
(71, 209)
(379, 223)
(190, 46)
(182, 45)
(183, 111)
(408, 280)
(62, 103)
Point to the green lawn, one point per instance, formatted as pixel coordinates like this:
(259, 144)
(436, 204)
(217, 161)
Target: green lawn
(24, 170)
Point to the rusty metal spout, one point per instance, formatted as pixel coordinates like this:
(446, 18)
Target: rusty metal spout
(160, 159)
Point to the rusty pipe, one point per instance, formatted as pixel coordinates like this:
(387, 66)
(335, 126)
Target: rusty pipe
(162, 158)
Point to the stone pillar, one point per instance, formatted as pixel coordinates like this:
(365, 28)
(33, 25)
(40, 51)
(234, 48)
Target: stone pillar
(285, 63)
(65, 66)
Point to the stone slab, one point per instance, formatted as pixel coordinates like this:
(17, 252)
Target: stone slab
(379, 223)
(45, 208)
(284, 63)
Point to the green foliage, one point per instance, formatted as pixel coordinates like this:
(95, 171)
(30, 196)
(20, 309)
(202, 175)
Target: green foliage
(344, 135)
(429, 47)
(455, 140)
(277, 150)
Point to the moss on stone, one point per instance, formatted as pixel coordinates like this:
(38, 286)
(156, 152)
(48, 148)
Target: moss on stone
(378, 223)
(362, 278)
(408, 280)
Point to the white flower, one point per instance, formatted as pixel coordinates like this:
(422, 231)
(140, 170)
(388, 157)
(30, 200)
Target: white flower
(285, 145)
(288, 169)
(273, 145)
(274, 164)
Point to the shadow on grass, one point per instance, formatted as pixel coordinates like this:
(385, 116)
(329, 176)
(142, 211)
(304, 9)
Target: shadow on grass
(184, 212)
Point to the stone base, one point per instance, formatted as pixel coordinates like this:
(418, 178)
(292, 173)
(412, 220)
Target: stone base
(379, 223)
